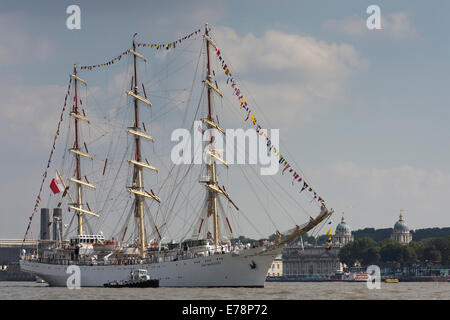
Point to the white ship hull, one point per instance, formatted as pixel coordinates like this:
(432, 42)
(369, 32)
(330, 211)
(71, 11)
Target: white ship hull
(248, 269)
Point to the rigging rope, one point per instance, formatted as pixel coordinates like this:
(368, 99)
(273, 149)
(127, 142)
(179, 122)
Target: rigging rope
(250, 115)
(38, 198)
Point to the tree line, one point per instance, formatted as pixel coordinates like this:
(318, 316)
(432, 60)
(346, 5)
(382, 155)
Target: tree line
(418, 234)
(367, 251)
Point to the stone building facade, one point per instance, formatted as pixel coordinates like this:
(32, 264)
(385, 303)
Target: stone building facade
(302, 261)
(276, 269)
(314, 260)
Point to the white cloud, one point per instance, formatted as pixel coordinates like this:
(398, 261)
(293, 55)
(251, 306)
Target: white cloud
(289, 74)
(374, 196)
(399, 26)
(31, 111)
(188, 15)
(354, 25)
(278, 51)
(394, 25)
(19, 47)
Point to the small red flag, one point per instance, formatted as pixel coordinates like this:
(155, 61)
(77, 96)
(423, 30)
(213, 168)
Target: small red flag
(56, 185)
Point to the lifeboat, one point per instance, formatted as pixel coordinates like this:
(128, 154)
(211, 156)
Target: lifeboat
(104, 246)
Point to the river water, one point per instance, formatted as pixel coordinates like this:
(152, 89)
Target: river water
(271, 291)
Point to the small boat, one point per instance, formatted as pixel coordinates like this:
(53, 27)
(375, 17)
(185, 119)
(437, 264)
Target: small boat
(39, 280)
(138, 279)
(391, 280)
(364, 277)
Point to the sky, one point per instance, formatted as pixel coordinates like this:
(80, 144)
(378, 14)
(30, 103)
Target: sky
(363, 113)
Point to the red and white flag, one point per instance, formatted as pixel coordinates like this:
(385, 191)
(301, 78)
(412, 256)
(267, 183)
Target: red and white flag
(56, 185)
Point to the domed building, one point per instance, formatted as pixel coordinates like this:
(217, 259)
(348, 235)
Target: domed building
(401, 231)
(343, 234)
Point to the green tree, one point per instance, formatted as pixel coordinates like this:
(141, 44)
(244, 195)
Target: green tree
(443, 246)
(363, 250)
(408, 254)
(391, 252)
(418, 248)
(431, 254)
(346, 254)
(370, 256)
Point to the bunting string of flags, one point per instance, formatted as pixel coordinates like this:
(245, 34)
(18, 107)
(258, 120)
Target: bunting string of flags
(169, 45)
(44, 176)
(253, 121)
(157, 46)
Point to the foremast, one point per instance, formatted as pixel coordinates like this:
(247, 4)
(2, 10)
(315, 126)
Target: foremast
(212, 183)
(138, 179)
(76, 150)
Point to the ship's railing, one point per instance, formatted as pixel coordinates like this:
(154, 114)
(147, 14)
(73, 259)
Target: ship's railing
(17, 243)
(153, 257)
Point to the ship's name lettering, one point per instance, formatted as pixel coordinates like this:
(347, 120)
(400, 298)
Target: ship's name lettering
(211, 263)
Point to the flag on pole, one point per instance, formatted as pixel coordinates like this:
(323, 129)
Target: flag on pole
(56, 185)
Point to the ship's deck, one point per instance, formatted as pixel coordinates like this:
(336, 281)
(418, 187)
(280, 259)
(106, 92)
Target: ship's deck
(126, 259)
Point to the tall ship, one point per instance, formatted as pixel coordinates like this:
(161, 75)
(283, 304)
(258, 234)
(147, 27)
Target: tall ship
(118, 177)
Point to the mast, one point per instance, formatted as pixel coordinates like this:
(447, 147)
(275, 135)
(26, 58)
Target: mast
(77, 157)
(212, 183)
(78, 205)
(211, 167)
(138, 179)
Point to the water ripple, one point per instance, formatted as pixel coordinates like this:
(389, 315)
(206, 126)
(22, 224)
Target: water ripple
(271, 291)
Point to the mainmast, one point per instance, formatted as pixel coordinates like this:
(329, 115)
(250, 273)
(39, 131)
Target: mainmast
(138, 180)
(211, 168)
(212, 183)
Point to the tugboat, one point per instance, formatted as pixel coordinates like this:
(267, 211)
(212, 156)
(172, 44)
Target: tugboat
(138, 279)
